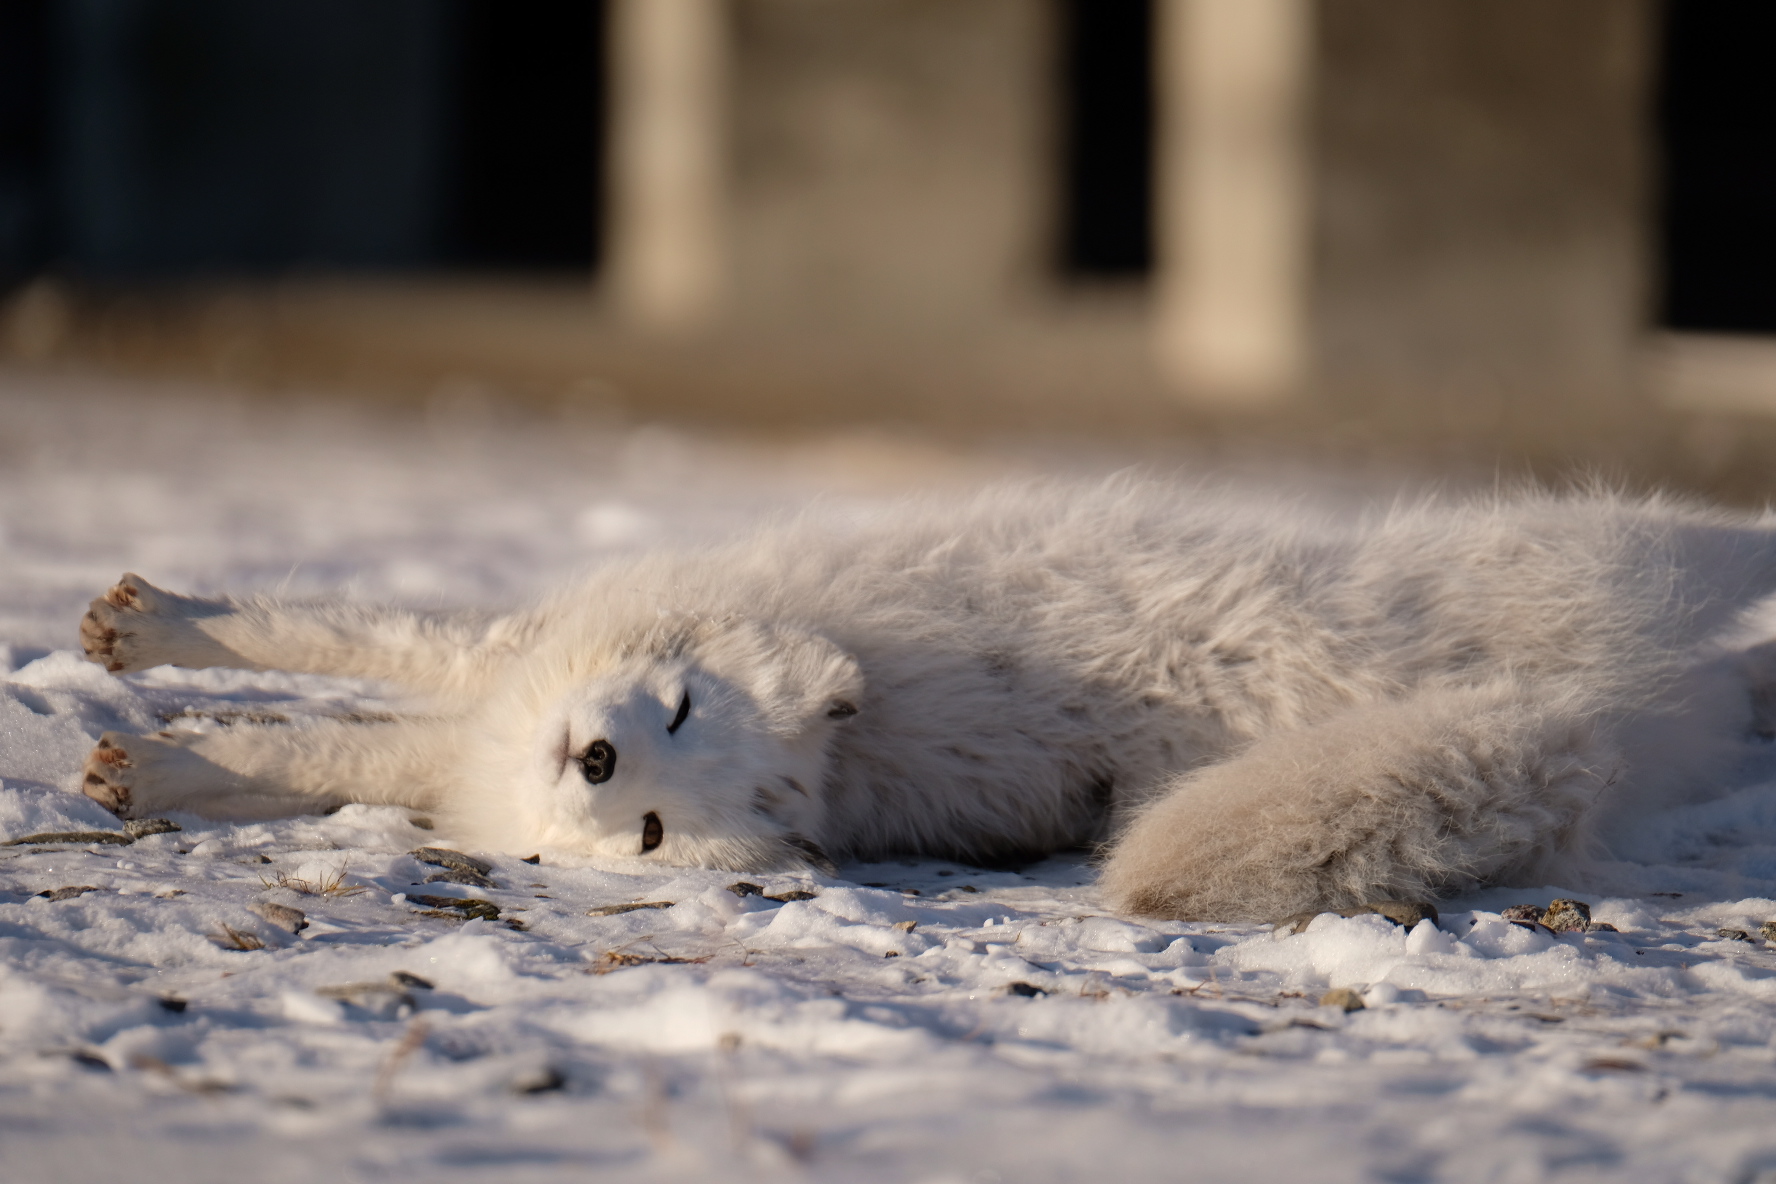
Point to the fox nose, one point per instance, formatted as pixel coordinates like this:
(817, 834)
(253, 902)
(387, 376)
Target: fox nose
(599, 762)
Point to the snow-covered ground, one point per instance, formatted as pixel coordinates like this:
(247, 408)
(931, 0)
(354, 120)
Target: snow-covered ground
(915, 1021)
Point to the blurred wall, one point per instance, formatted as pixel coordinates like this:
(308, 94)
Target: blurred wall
(1484, 195)
(937, 211)
(891, 161)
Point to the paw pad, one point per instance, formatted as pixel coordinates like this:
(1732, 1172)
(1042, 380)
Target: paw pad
(105, 781)
(110, 754)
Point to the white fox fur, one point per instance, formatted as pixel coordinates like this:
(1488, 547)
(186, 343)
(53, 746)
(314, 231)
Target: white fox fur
(1258, 712)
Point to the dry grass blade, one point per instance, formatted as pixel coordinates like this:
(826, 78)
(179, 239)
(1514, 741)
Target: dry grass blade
(233, 939)
(411, 1039)
(197, 1085)
(332, 884)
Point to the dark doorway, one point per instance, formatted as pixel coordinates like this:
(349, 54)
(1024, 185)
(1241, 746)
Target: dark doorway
(1717, 119)
(529, 131)
(26, 233)
(181, 137)
(198, 136)
(1107, 124)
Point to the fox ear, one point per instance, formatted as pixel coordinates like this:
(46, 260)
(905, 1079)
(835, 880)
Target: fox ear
(797, 677)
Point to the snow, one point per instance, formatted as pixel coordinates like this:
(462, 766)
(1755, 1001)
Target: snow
(910, 1021)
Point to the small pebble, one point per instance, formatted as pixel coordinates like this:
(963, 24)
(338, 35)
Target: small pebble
(68, 893)
(282, 915)
(1732, 934)
(141, 828)
(1567, 916)
(906, 926)
(458, 876)
(1025, 990)
(1342, 998)
(743, 888)
(73, 836)
(1526, 916)
(531, 859)
(539, 1081)
(1406, 913)
(454, 860)
(403, 979)
(793, 894)
(469, 908)
(612, 910)
(1768, 929)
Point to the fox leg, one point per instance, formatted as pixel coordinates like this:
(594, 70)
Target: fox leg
(1434, 792)
(267, 771)
(135, 625)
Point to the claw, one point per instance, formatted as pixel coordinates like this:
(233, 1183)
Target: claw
(125, 594)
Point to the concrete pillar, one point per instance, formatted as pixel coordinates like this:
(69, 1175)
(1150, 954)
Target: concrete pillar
(668, 161)
(1232, 209)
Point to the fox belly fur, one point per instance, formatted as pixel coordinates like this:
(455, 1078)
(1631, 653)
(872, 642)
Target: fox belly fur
(1254, 712)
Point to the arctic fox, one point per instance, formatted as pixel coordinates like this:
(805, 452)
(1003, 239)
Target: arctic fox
(1251, 712)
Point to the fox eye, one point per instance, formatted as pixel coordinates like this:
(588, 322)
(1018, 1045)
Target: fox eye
(651, 831)
(684, 709)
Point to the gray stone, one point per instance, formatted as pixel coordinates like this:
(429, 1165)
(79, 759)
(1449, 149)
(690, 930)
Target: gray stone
(141, 828)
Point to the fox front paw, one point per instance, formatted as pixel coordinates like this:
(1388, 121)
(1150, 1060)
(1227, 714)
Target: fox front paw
(111, 631)
(135, 625)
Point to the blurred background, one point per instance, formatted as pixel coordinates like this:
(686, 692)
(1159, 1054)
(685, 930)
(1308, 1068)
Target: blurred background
(1513, 234)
